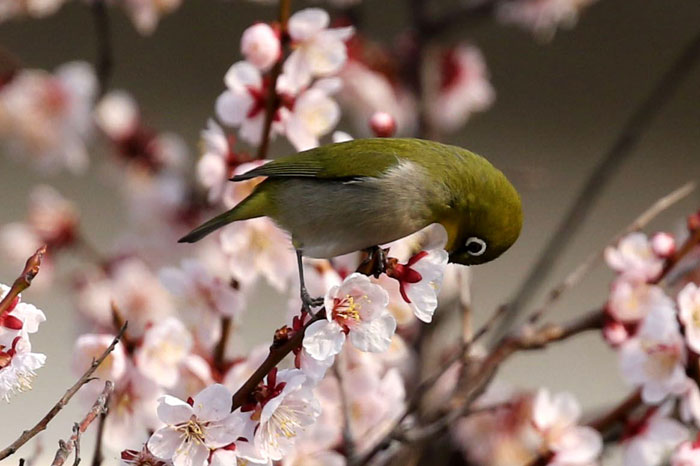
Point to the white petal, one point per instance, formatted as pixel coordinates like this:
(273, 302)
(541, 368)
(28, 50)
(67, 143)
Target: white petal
(323, 339)
(306, 23)
(213, 403)
(173, 411)
(226, 431)
(232, 107)
(165, 442)
(242, 75)
(191, 454)
(374, 336)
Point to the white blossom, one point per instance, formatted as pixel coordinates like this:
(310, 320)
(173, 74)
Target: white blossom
(689, 306)
(260, 45)
(634, 258)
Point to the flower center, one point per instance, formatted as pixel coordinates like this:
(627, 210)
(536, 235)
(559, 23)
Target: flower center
(193, 430)
(347, 308)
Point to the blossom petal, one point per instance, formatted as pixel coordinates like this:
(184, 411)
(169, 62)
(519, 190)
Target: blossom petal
(213, 403)
(232, 107)
(323, 339)
(375, 335)
(165, 442)
(307, 23)
(173, 411)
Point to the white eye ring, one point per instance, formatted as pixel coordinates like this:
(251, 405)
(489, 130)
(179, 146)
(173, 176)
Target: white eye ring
(475, 246)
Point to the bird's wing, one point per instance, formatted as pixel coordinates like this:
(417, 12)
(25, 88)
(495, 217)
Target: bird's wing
(348, 160)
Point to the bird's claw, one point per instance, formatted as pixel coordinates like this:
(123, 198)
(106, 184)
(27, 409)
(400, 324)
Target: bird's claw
(308, 302)
(375, 262)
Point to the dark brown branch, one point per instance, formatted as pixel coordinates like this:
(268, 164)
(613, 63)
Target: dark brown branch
(273, 99)
(220, 349)
(104, 62)
(31, 269)
(97, 456)
(618, 414)
(98, 408)
(85, 378)
(627, 140)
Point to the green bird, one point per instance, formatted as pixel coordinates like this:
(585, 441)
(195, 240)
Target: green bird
(354, 195)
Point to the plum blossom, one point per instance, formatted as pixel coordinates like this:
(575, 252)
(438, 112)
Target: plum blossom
(165, 346)
(651, 440)
(208, 297)
(89, 347)
(18, 367)
(655, 357)
(634, 258)
(686, 454)
(556, 417)
(242, 105)
(291, 409)
(11, 9)
(192, 431)
(145, 14)
(421, 277)
(356, 308)
(631, 301)
(47, 117)
(257, 248)
(459, 87)
(663, 244)
(19, 320)
(542, 17)
(318, 50)
(313, 114)
(260, 45)
(383, 125)
(689, 306)
(216, 165)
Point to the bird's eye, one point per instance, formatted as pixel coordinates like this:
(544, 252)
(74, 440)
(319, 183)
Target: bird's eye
(475, 246)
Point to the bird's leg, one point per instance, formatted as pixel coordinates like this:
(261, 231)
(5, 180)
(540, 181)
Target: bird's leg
(306, 300)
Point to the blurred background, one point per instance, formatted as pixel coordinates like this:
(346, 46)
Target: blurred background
(559, 105)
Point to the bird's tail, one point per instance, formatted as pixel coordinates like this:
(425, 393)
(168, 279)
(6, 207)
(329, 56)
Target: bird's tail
(250, 207)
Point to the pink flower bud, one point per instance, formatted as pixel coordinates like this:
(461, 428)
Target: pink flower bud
(260, 45)
(615, 333)
(663, 244)
(382, 124)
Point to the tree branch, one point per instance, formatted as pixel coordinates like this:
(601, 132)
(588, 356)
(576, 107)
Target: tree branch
(98, 408)
(104, 62)
(85, 378)
(626, 141)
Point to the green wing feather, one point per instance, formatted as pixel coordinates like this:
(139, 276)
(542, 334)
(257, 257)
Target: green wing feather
(353, 159)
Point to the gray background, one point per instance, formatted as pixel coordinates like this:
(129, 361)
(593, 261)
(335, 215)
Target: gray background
(559, 106)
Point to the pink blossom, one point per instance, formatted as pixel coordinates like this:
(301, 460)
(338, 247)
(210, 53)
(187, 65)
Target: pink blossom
(652, 439)
(631, 300)
(663, 244)
(19, 320)
(542, 17)
(689, 305)
(356, 308)
(634, 258)
(260, 45)
(89, 347)
(313, 114)
(18, 367)
(192, 431)
(655, 357)
(145, 14)
(460, 87)
(165, 346)
(117, 115)
(11, 9)
(686, 454)
(47, 117)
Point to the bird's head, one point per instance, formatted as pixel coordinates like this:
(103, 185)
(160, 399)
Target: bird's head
(486, 224)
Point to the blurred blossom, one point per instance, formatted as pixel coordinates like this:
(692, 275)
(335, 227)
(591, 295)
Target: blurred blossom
(145, 14)
(243, 368)
(165, 346)
(663, 244)
(313, 115)
(556, 417)
(117, 115)
(318, 51)
(218, 161)
(686, 454)
(236, 192)
(634, 258)
(631, 301)
(11, 9)
(258, 248)
(655, 357)
(689, 305)
(341, 136)
(192, 431)
(195, 375)
(132, 410)
(47, 117)
(689, 406)
(90, 347)
(206, 298)
(260, 45)
(383, 125)
(542, 17)
(650, 441)
(356, 308)
(458, 85)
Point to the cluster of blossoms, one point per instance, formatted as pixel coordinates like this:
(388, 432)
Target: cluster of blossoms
(18, 364)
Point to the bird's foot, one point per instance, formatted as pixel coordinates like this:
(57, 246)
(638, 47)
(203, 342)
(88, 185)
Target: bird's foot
(308, 302)
(375, 262)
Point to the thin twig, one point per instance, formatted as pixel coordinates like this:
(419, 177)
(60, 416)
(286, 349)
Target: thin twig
(31, 269)
(97, 456)
(104, 62)
(65, 447)
(575, 277)
(348, 438)
(85, 378)
(627, 140)
(273, 99)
